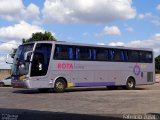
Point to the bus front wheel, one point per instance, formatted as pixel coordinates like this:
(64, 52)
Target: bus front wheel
(130, 84)
(59, 86)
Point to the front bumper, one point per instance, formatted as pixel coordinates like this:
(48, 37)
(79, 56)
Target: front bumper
(18, 84)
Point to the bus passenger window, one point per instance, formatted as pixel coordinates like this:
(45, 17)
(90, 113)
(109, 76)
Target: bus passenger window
(77, 53)
(133, 56)
(118, 56)
(102, 54)
(111, 55)
(123, 56)
(106, 55)
(94, 54)
(146, 57)
(63, 52)
(90, 54)
(126, 55)
(71, 53)
(83, 53)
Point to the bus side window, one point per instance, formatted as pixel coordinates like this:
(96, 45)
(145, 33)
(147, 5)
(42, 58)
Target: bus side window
(77, 53)
(112, 55)
(83, 53)
(123, 56)
(106, 55)
(102, 54)
(71, 53)
(63, 52)
(90, 54)
(126, 56)
(94, 54)
(118, 56)
(57, 53)
(146, 57)
(133, 56)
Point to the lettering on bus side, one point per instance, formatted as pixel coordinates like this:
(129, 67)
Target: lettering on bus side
(64, 66)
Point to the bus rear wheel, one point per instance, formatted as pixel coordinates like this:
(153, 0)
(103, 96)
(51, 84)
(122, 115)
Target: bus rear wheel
(59, 86)
(130, 84)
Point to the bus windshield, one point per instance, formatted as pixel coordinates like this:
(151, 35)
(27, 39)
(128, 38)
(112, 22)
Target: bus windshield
(20, 67)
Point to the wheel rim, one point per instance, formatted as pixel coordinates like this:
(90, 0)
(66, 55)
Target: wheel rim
(59, 86)
(130, 83)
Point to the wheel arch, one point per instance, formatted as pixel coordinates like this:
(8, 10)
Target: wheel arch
(131, 78)
(60, 77)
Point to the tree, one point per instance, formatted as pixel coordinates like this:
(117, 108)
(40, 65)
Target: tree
(157, 63)
(39, 36)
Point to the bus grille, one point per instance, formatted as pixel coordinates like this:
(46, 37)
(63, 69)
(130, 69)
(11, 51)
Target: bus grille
(149, 76)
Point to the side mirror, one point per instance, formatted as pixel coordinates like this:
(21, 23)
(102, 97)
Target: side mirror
(8, 59)
(27, 56)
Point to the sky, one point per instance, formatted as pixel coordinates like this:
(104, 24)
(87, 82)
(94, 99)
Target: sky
(131, 23)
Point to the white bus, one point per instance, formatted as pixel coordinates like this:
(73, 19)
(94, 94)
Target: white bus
(60, 65)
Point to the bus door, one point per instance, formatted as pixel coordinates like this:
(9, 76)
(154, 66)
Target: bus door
(40, 65)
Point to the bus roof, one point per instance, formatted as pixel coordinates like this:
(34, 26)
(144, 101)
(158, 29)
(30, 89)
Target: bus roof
(92, 45)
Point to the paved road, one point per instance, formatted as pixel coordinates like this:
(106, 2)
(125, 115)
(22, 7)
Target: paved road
(80, 103)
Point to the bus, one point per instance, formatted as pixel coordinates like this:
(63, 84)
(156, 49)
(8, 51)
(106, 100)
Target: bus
(59, 65)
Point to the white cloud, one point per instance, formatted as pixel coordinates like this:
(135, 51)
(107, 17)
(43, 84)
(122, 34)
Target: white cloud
(93, 11)
(100, 44)
(143, 16)
(2, 59)
(7, 46)
(157, 36)
(129, 29)
(149, 16)
(153, 43)
(113, 30)
(14, 5)
(158, 7)
(19, 31)
(5, 49)
(116, 44)
(85, 34)
(3, 64)
(156, 20)
(31, 12)
(15, 10)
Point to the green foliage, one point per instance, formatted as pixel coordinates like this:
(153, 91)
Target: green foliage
(39, 36)
(157, 63)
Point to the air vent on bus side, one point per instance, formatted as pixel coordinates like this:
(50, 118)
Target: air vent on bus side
(149, 76)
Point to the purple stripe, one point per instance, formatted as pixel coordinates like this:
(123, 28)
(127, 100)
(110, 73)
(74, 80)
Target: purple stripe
(95, 84)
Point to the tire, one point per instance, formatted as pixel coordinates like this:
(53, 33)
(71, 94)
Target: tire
(111, 87)
(1, 84)
(59, 86)
(130, 84)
